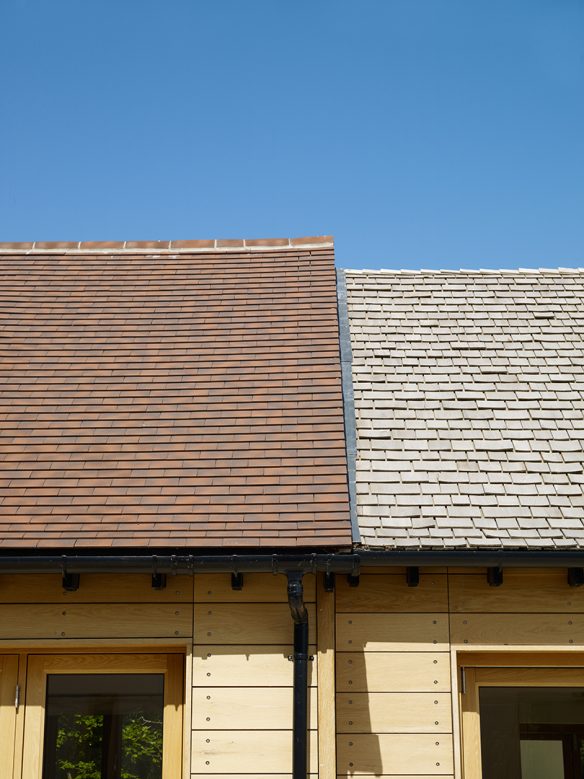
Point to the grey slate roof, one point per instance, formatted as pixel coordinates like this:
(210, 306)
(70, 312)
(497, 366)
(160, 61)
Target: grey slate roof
(469, 395)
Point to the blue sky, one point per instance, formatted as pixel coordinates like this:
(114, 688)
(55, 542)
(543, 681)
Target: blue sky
(420, 133)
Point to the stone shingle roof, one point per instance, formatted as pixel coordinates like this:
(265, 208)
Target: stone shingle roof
(171, 395)
(469, 395)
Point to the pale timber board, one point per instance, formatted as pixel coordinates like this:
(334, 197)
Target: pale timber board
(247, 708)
(248, 623)
(327, 737)
(404, 776)
(247, 666)
(530, 677)
(252, 775)
(114, 620)
(262, 751)
(391, 712)
(93, 588)
(521, 592)
(382, 754)
(390, 593)
(393, 671)
(257, 588)
(530, 629)
(549, 658)
(387, 632)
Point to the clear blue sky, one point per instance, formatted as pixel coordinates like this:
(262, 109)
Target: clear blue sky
(420, 133)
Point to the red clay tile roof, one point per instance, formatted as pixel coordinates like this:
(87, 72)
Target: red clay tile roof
(171, 394)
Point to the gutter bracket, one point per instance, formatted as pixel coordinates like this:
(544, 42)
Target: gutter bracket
(575, 577)
(158, 581)
(237, 581)
(70, 581)
(495, 576)
(329, 581)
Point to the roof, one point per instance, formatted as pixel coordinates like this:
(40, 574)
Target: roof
(183, 394)
(469, 395)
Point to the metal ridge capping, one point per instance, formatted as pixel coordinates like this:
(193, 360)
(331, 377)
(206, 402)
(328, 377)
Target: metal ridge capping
(174, 247)
(348, 400)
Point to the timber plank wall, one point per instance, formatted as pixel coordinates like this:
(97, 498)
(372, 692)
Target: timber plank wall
(396, 650)
(384, 651)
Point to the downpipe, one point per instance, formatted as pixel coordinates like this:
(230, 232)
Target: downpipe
(300, 688)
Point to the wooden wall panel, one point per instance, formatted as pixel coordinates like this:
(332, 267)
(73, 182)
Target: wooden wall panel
(394, 707)
(8, 680)
(391, 712)
(390, 593)
(247, 623)
(259, 751)
(242, 677)
(392, 632)
(393, 671)
(256, 775)
(518, 629)
(95, 620)
(257, 588)
(380, 754)
(521, 592)
(94, 588)
(246, 708)
(327, 726)
(246, 666)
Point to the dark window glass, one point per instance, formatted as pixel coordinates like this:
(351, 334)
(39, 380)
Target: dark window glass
(532, 732)
(103, 726)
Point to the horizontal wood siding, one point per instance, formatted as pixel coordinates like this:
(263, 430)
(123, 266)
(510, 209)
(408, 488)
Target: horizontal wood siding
(242, 677)
(394, 705)
(393, 699)
(387, 646)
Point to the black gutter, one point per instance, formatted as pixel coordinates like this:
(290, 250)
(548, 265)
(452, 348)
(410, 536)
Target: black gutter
(300, 689)
(308, 562)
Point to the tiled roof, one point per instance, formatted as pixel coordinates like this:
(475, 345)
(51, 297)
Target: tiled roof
(469, 394)
(182, 394)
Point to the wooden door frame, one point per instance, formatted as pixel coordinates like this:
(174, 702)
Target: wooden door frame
(40, 665)
(506, 669)
(8, 701)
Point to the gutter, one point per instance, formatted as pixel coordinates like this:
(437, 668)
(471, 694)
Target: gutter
(277, 563)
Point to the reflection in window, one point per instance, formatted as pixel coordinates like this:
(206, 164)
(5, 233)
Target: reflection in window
(532, 732)
(103, 726)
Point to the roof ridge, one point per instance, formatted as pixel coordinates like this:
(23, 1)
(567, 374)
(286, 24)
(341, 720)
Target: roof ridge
(175, 247)
(461, 271)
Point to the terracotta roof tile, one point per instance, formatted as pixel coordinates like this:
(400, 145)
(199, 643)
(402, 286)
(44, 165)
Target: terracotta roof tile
(162, 394)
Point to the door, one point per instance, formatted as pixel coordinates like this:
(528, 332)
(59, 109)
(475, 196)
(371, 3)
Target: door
(8, 706)
(103, 716)
(523, 723)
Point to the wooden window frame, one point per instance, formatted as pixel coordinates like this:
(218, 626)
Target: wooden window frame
(40, 665)
(8, 682)
(524, 669)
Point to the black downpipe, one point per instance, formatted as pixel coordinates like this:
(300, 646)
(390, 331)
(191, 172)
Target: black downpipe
(300, 690)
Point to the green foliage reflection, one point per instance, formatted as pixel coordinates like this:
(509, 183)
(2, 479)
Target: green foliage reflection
(130, 748)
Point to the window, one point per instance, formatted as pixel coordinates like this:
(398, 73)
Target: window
(523, 722)
(104, 716)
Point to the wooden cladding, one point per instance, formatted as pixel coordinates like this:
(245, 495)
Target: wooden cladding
(383, 651)
(242, 677)
(393, 701)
